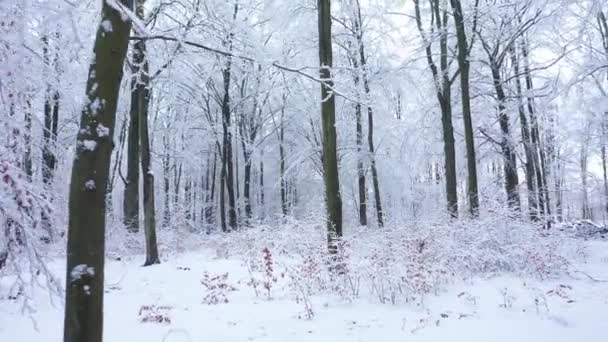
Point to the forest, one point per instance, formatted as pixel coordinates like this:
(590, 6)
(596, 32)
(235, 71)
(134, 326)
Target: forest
(238, 170)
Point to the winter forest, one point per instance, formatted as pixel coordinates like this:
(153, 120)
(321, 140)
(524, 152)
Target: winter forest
(313, 170)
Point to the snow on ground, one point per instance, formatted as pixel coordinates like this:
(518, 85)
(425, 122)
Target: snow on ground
(506, 308)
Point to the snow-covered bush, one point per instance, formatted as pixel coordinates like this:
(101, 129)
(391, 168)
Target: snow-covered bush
(404, 263)
(22, 239)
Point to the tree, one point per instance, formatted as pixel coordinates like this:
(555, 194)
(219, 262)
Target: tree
(141, 96)
(87, 203)
(464, 65)
(328, 122)
(370, 113)
(443, 85)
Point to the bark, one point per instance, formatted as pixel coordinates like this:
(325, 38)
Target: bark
(143, 99)
(603, 136)
(586, 210)
(87, 206)
(443, 87)
(262, 182)
(361, 181)
(360, 169)
(528, 148)
(370, 117)
(166, 182)
(227, 165)
(282, 175)
(544, 204)
(131, 193)
(51, 110)
(508, 151)
(464, 66)
(328, 120)
(27, 140)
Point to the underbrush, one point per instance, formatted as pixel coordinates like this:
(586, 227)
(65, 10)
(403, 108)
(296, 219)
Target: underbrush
(396, 264)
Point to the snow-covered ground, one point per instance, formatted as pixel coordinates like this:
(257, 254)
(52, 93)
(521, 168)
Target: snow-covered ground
(507, 308)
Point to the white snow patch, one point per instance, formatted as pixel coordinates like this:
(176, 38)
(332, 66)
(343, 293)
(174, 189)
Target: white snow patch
(82, 270)
(106, 25)
(90, 184)
(89, 145)
(102, 131)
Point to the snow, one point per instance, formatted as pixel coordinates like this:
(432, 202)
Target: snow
(90, 184)
(81, 270)
(89, 145)
(102, 131)
(504, 308)
(106, 25)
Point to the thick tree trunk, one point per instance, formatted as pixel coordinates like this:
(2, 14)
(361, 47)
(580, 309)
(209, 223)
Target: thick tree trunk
(87, 203)
(464, 65)
(328, 119)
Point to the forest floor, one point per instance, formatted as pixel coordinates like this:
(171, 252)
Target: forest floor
(168, 302)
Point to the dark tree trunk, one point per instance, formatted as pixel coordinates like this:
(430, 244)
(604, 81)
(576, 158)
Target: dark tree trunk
(262, 183)
(87, 204)
(222, 198)
(131, 194)
(27, 140)
(143, 104)
(443, 85)
(282, 175)
(528, 148)
(166, 182)
(361, 182)
(544, 203)
(508, 152)
(328, 118)
(227, 167)
(370, 118)
(464, 65)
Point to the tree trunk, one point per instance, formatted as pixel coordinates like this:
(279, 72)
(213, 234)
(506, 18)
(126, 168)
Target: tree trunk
(166, 182)
(464, 65)
(223, 185)
(131, 193)
(508, 153)
(443, 86)
(328, 119)
(544, 203)
(359, 142)
(143, 100)
(262, 183)
(528, 148)
(87, 206)
(282, 175)
(370, 118)
(587, 214)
